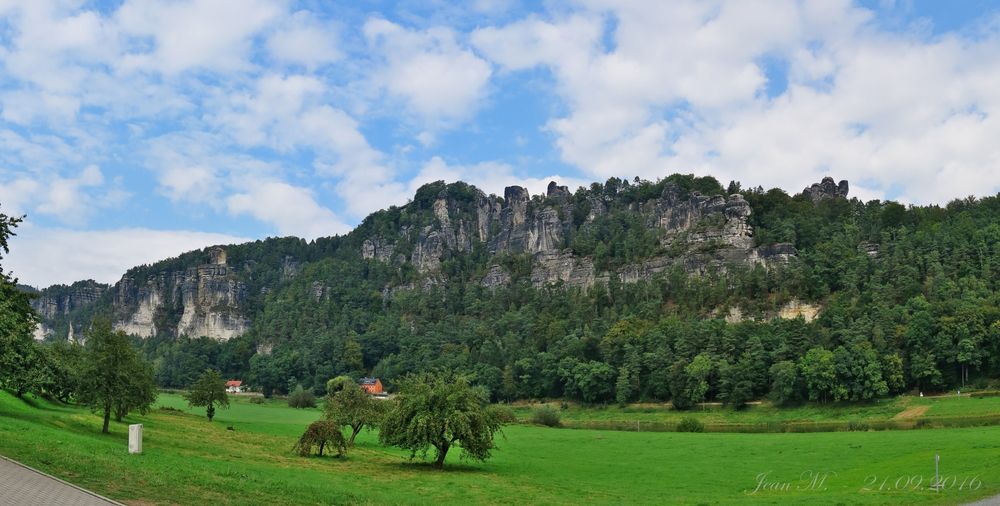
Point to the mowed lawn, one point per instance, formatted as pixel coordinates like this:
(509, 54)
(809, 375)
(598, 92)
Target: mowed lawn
(188, 460)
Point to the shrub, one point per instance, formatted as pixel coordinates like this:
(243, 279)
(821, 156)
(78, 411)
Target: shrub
(321, 434)
(546, 415)
(858, 426)
(256, 400)
(301, 398)
(690, 424)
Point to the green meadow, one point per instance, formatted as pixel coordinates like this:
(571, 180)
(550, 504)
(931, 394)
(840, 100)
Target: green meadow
(245, 457)
(943, 409)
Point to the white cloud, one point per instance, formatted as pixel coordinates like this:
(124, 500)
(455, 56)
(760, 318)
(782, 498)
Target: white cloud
(45, 256)
(68, 199)
(304, 40)
(214, 35)
(490, 177)
(438, 79)
(682, 88)
(292, 210)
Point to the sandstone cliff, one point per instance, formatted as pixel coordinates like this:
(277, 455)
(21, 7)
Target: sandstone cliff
(551, 239)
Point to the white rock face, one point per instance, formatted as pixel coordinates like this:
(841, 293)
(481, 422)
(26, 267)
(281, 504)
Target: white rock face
(794, 309)
(41, 332)
(140, 321)
(209, 300)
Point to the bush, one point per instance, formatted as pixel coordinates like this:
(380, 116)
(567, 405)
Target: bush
(690, 424)
(858, 426)
(301, 398)
(256, 400)
(546, 415)
(320, 435)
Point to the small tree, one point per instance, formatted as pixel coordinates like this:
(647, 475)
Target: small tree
(440, 410)
(321, 434)
(208, 391)
(113, 372)
(347, 404)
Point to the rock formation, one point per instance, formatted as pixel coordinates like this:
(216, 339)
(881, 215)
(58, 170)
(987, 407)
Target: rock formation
(826, 189)
(202, 294)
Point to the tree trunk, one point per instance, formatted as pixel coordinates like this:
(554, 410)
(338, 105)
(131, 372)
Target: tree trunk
(442, 452)
(107, 417)
(210, 412)
(321, 445)
(354, 433)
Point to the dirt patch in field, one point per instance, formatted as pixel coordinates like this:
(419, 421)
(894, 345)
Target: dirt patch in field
(911, 412)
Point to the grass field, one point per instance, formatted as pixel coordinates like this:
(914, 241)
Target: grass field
(187, 460)
(929, 409)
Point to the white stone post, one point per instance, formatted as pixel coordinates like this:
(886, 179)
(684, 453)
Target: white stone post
(135, 438)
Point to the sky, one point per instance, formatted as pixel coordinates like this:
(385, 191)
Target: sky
(135, 130)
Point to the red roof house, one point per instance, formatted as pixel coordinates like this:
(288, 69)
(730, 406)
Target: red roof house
(371, 385)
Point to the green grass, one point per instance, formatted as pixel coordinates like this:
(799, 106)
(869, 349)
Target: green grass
(188, 460)
(723, 418)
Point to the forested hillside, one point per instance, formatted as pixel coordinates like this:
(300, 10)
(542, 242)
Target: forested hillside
(678, 289)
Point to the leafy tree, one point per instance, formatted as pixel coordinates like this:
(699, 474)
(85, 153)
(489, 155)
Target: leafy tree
(112, 372)
(208, 391)
(348, 404)
(21, 365)
(785, 383)
(698, 372)
(736, 382)
(320, 435)
(440, 410)
(623, 387)
(892, 371)
(141, 391)
(820, 374)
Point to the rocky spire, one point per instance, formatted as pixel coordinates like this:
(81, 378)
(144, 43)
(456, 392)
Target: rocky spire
(826, 189)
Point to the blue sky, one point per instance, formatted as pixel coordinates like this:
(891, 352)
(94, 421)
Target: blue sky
(133, 131)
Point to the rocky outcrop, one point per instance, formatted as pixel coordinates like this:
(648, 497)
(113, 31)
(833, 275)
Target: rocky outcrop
(495, 277)
(794, 309)
(697, 232)
(63, 300)
(826, 190)
(204, 301)
(562, 267)
(376, 249)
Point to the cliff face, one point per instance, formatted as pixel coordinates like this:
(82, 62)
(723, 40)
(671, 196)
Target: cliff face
(215, 292)
(696, 232)
(58, 304)
(207, 300)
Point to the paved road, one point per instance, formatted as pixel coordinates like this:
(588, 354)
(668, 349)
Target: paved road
(23, 486)
(989, 501)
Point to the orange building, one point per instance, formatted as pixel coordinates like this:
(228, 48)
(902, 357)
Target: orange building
(371, 385)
